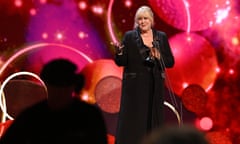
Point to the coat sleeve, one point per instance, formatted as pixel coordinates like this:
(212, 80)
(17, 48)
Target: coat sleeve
(121, 60)
(166, 53)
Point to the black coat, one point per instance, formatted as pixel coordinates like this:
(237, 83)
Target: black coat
(141, 107)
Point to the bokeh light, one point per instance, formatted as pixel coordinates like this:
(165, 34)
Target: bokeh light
(206, 123)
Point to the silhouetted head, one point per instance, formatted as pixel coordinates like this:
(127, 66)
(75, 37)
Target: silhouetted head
(185, 134)
(59, 72)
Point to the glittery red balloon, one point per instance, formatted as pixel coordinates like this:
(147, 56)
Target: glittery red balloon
(228, 33)
(103, 84)
(108, 92)
(195, 62)
(194, 98)
(190, 15)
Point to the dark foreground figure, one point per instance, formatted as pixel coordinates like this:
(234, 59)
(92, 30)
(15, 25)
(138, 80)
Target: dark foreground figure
(185, 134)
(62, 118)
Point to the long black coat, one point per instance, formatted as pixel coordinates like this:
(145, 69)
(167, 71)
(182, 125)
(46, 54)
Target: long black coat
(141, 107)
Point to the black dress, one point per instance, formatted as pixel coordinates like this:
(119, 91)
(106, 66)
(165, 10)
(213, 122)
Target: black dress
(141, 107)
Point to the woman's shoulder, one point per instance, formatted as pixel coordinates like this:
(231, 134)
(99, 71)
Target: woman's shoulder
(160, 32)
(130, 32)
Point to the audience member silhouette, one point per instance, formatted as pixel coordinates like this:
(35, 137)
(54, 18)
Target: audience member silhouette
(185, 134)
(62, 118)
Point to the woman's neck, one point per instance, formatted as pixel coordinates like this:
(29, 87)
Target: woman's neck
(146, 32)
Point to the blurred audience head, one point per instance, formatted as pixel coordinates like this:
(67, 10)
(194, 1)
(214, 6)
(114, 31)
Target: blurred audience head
(62, 81)
(185, 134)
(59, 72)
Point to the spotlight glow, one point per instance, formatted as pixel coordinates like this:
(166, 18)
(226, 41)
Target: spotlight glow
(82, 5)
(206, 123)
(128, 3)
(97, 10)
(44, 35)
(18, 3)
(33, 12)
(59, 36)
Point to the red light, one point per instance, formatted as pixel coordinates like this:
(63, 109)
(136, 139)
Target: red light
(18, 3)
(206, 123)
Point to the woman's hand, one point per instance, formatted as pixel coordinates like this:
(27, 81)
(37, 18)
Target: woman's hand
(118, 48)
(155, 53)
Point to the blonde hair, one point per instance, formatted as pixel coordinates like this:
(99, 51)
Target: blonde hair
(140, 11)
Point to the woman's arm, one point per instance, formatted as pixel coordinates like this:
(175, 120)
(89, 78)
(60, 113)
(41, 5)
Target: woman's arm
(166, 53)
(121, 52)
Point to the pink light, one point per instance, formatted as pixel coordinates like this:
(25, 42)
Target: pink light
(209, 87)
(33, 11)
(44, 35)
(206, 123)
(59, 36)
(231, 71)
(185, 84)
(82, 5)
(85, 97)
(5, 39)
(128, 3)
(97, 9)
(18, 3)
(43, 1)
(82, 35)
(235, 41)
(218, 70)
(221, 14)
(189, 38)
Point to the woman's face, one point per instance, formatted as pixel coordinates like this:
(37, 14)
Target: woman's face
(144, 21)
